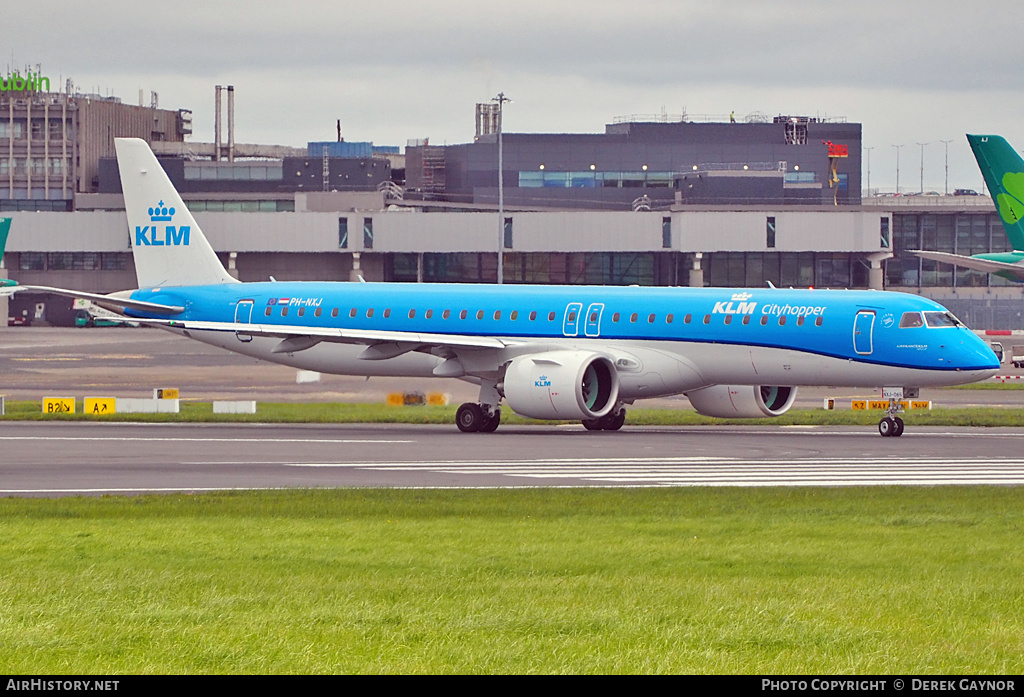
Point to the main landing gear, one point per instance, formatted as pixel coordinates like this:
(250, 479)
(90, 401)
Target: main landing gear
(477, 418)
(483, 416)
(608, 422)
(891, 425)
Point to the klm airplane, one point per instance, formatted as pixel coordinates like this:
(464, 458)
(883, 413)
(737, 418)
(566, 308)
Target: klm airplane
(548, 352)
(1003, 170)
(5, 229)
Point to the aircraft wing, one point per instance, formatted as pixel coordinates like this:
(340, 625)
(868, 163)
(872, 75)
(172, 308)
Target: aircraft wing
(986, 265)
(381, 344)
(104, 300)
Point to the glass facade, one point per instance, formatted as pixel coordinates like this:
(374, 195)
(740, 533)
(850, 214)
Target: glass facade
(572, 268)
(536, 179)
(222, 171)
(243, 206)
(959, 233)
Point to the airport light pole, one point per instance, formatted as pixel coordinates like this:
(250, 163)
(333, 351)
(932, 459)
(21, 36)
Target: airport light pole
(922, 166)
(947, 142)
(868, 151)
(501, 99)
(897, 168)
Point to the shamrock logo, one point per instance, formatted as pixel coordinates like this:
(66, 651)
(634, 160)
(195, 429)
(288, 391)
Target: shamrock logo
(1011, 204)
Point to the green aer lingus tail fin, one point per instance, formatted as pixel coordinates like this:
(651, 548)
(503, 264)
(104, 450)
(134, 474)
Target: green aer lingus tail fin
(5, 228)
(1003, 170)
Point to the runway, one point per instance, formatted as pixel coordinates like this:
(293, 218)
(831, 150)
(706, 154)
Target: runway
(73, 459)
(68, 459)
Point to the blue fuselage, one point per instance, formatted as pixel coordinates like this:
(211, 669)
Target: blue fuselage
(862, 327)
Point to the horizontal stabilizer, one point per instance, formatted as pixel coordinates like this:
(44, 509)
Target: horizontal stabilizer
(108, 301)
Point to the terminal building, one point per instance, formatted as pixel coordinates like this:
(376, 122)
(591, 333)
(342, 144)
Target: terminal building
(655, 200)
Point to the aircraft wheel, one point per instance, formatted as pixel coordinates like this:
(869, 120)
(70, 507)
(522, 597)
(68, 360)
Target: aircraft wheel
(887, 427)
(614, 422)
(491, 422)
(899, 427)
(470, 418)
(592, 424)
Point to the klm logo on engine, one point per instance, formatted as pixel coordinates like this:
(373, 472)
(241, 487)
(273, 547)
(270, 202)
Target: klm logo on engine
(542, 381)
(169, 236)
(738, 305)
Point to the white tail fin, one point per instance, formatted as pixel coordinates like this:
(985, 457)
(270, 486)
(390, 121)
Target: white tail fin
(169, 247)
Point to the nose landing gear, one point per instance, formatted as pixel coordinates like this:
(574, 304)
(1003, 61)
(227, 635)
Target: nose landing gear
(891, 426)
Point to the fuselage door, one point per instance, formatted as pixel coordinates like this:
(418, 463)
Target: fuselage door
(571, 326)
(593, 326)
(863, 326)
(243, 315)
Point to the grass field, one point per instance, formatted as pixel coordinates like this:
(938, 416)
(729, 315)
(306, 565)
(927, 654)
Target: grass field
(881, 580)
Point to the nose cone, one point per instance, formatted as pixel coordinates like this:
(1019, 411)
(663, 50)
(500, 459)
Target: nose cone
(976, 360)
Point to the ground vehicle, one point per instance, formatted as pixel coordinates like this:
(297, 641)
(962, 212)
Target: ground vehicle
(1017, 356)
(22, 320)
(87, 314)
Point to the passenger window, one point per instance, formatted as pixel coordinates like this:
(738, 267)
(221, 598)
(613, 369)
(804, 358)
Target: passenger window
(800, 321)
(267, 313)
(615, 317)
(479, 314)
(551, 317)
(430, 314)
(334, 312)
(782, 320)
(687, 318)
(707, 319)
(446, 314)
(497, 314)
(412, 314)
(533, 315)
(369, 313)
(316, 312)
(464, 314)
(746, 319)
(632, 317)
(352, 312)
(817, 321)
(593, 317)
(302, 312)
(728, 319)
(764, 320)
(514, 315)
(387, 313)
(668, 318)
(284, 311)
(911, 319)
(650, 319)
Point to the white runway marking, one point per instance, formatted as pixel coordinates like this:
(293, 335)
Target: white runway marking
(207, 440)
(711, 471)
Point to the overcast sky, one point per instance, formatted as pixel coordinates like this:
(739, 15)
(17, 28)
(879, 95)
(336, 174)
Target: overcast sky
(910, 72)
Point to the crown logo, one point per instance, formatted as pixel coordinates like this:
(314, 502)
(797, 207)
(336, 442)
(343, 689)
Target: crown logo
(742, 297)
(161, 213)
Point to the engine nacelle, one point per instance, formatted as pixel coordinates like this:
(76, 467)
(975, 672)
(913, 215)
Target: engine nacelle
(562, 385)
(742, 401)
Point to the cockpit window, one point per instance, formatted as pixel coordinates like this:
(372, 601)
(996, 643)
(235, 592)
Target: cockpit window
(941, 319)
(911, 319)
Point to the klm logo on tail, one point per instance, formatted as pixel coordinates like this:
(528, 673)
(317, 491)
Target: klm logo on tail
(150, 235)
